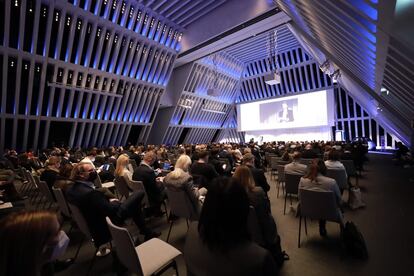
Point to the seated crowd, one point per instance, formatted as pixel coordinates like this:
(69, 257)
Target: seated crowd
(223, 182)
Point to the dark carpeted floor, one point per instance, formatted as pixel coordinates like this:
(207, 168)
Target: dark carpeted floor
(386, 224)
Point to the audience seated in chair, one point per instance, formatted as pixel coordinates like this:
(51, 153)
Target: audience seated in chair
(258, 174)
(181, 180)
(295, 167)
(203, 168)
(153, 184)
(316, 180)
(219, 244)
(259, 200)
(95, 206)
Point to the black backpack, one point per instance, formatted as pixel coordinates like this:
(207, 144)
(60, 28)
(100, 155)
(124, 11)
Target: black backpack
(354, 241)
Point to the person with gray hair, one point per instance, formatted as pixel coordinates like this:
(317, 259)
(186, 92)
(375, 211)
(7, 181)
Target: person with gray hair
(295, 167)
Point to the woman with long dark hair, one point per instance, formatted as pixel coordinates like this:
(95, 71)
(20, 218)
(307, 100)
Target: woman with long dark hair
(259, 200)
(220, 244)
(317, 180)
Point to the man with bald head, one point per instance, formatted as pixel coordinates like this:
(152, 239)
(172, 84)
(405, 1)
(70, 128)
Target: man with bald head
(95, 206)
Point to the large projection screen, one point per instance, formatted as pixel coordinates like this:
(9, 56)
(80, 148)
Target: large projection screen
(289, 115)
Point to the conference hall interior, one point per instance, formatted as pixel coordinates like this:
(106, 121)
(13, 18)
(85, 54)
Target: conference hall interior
(206, 137)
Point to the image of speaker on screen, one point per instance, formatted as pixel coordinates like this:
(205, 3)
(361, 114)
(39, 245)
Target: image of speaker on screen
(282, 111)
(286, 113)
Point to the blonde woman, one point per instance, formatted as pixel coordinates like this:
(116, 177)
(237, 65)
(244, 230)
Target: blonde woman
(180, 179)
(122, 166)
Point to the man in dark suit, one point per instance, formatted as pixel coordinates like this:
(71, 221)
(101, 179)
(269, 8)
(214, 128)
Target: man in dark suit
(258, 174)
(226, 153)
(203, 169)
(95, 206)
(153, 184)
(286, 114)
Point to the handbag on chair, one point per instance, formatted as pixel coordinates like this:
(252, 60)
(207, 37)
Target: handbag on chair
(355, 198)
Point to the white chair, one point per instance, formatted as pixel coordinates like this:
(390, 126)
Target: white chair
(83, 226)
(121, 187)
(61, 201)
(136, 185)
(180, 206)
(109, 185)
(152, 257)
(44, 190)
(317, 205)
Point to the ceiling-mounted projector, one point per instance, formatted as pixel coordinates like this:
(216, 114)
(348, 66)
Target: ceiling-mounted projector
(272, 79)
(214, 92)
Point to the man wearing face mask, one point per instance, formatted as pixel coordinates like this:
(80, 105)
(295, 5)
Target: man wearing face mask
(51, 173)
(95, 206)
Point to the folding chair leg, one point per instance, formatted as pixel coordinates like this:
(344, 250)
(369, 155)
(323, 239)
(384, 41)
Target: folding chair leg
(166, 211)
(306, 227)
(284, 208)
(188, 225)
(92, 262)
(175, 267)
(77, 251)
(300, 225)
(278, 187)
(169, 231)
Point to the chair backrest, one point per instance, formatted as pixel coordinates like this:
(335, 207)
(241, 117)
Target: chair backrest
(121, 186)
(280, 173)
(61, 201)
(281, 162)
(269, 156)
(125, 247)
(292, 183)
(254, 227)
(180, 204)
(98, 182)
(31, 179)
(133, 164)
(349, 167)
(80, 220)
(44, 189)
(305, 161)
(136, 185)
(339, 176)
(274, 161)
(316, 204)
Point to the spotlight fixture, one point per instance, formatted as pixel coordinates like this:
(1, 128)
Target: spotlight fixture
(384, 91)
(214, 91)
(335, 75)
(325, 66)
(272, 78)
(186, 103)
